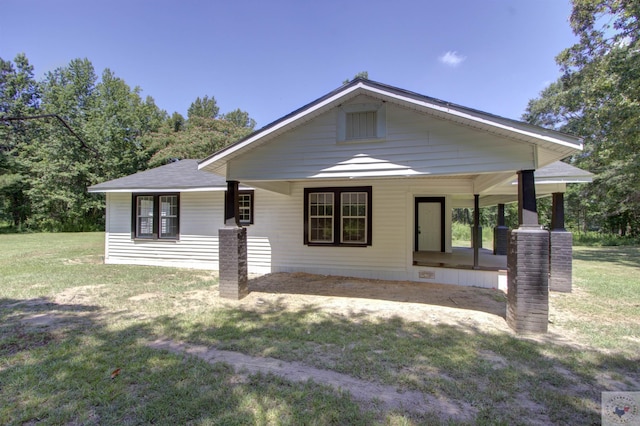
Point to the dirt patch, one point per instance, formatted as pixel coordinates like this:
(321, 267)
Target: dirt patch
(429, 303)
(82, 295)
(89, 259)
(386, 396)
(145, 296)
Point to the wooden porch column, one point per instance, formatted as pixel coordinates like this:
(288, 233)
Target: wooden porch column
(477, 236)
(528, 264)
(560, 248)
(232, 249)
(500, 237)
(231, 205)
(527, 209)
(557, 212)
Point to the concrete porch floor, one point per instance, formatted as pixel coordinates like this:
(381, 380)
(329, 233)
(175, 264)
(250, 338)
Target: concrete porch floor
(460, 258)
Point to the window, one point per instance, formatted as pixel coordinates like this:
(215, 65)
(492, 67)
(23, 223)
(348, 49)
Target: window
(245, 207)
(245, 202)
(359, 123)
(337, 216)
(321, 217)
(156, 216)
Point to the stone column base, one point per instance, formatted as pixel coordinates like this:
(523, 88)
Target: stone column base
(560, 261)
(500, 240)
(528, 280)
(232, 260)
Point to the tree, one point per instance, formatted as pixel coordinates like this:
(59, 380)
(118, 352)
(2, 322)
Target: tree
(598, 98)
(240, 118)
(176, 122)
(199, 139)
(361, 74)
(107, 119)
(19, 97)
(203, 108)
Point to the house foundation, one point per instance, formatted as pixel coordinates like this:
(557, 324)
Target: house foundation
(233, 263)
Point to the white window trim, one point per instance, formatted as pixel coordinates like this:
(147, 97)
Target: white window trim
(381, 117)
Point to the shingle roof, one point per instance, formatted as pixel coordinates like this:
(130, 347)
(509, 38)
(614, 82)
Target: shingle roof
(560, 169)
(177, 176)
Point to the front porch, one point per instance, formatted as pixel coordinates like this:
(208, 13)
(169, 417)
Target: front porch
(457, 268)
(461, 258)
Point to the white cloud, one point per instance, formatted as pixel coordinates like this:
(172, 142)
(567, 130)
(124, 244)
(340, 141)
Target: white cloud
(452, 58)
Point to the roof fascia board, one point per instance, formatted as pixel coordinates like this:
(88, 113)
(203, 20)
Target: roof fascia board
(279, 125)
(478, 117)
(162, 190)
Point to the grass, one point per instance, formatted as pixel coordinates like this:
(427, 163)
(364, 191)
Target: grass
(461, 235)
(99, 317)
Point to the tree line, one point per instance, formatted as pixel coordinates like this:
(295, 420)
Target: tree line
(597, 98)
(45, 169)
(73, 129)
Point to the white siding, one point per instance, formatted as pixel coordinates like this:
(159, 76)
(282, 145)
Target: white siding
(275, 241)
(201, 215)
(415, 144)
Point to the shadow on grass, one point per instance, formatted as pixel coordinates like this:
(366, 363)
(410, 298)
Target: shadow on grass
(62, 372)
(622, 255)
(505, 379)
(451, 296)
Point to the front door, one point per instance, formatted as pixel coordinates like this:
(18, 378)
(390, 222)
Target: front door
(429, 220)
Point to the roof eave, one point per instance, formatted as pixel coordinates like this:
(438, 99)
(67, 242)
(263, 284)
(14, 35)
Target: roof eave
(564, 143)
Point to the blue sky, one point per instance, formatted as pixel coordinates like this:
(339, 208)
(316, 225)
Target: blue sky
(271, 57)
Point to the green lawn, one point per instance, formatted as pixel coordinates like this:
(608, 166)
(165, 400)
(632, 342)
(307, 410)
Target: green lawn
(67, 321)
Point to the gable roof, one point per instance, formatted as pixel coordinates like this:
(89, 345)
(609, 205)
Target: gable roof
(553, 140)
(179, 176)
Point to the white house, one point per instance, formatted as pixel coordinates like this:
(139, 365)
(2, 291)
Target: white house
(360, 182)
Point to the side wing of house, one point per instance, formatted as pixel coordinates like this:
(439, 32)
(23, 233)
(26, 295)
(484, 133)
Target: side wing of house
(200, 215)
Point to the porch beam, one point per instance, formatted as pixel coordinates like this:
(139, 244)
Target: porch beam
(485, 182)
(279, 187)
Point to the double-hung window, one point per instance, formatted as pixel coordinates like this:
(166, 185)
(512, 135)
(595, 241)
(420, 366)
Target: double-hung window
(338, 216)
(245, 207)
(156, 216)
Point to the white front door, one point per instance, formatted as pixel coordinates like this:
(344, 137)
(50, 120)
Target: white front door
(429, 226)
